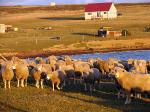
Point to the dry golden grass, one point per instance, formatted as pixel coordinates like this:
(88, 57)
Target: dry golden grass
(70, 25)
(71, 99)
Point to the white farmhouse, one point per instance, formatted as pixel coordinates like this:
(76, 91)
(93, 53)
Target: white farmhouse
(52, 4)
(100, 10)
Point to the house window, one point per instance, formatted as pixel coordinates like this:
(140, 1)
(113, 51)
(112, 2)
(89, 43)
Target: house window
(89, 13)
(105, 12)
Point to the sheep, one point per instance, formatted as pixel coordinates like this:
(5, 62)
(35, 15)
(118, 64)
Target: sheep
(91, 77)
(91, 61)
(103, 66)
(138, 66)
(21, 71)
(68, 60)
(57, 77)
(79, 68)
(52, 61)
(39, 60)
(39, 74)
(7, 73)
(130, 81)
(69, 71)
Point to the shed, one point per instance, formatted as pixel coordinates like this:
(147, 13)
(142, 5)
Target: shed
(2, 28)
(100, 10)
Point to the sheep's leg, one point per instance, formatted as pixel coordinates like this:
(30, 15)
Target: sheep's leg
(85, 87)
(9, 84)
(41, 83)
(58, 86)
(119, 94)
(94, 86)
(26, 82)
(139, 95)
(80, 80)
(128, 99)
(5, 83)
(90, 87)
(37, 83)
(17, 82)
(22, 82)
(126, 102)
(53, 86)
(103, 72)
(63, 85)
(74, 81)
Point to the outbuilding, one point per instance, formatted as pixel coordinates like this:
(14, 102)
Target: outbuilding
(100, 10)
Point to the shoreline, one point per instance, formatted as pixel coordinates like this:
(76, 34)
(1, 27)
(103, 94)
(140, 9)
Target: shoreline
(33, 54)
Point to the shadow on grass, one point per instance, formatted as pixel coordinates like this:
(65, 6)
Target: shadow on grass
(107, 97)
(85, 34)
(8, 108)
(62, 18)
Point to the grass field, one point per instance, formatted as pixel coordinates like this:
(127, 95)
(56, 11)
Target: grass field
(71, 99)
(68, 23)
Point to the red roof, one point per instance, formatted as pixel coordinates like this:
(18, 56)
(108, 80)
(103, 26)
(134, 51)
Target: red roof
(98, 7)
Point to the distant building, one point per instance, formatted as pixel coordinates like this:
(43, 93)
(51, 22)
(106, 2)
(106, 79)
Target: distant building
(100, 10)
(2, 28)
(52, 4)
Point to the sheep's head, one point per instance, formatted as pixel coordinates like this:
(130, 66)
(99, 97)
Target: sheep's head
(119, 71)
(130, 61)
(49, 75)
(116, 71)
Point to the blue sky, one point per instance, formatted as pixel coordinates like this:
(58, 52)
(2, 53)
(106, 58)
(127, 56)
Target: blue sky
(46, 2)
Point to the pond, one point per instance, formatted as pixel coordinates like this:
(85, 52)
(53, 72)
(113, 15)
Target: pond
(125, 55)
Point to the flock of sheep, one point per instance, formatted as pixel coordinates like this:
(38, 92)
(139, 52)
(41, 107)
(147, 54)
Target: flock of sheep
(129, 76)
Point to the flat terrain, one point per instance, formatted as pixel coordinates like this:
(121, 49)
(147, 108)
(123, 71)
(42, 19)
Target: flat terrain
(71, 99)
(68, 23)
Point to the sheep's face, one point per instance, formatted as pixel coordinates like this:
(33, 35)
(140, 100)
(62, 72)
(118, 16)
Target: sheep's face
(14, 67)
(116, 71)
(49, 75)
(130, 61)
(119, 72)
(39, 67)
(111, 65)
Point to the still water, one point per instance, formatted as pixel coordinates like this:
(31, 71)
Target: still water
(125, 55)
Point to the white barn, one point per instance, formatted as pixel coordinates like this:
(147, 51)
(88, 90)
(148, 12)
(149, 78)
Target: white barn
(52, 4)
(100, 10)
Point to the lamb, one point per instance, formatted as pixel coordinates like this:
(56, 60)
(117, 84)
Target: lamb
(130, 81)
(7, 73)
(57, 77)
